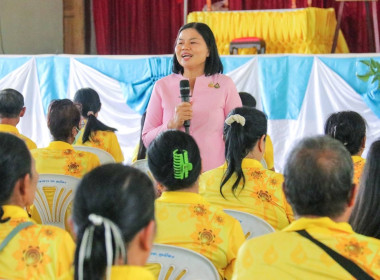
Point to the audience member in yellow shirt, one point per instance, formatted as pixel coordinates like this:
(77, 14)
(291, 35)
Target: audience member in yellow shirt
(242, 183)
(114, 226)
(27, 250)
(11, 110)
(248, 100)
(365, 218)
(349, 127)
(94, 133)
(183, 217)
(318, 184)
(60, 157)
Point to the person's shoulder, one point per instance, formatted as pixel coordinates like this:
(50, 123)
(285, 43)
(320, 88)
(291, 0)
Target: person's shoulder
(29, 143)
(222, 77)
(275, 175)
(52, 233)
(87, 155)
(369, 240)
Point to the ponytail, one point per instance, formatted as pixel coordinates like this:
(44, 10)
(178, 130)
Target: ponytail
(121, 204)
(243, 128)
(101, 235)
(93, 124)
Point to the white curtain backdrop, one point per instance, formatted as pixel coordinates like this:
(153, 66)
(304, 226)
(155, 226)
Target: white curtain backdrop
(315, 92)
(114, 111)
(25, 80)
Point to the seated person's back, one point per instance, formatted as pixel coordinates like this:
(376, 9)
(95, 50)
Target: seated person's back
(36, 251)
(60, 157)
(184, 218)
(95, 133)
(349, 127)
(242, 183)
(318, 185)
(114, 225)
(11, 110)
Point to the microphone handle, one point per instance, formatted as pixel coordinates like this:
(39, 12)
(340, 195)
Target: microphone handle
(186, 124)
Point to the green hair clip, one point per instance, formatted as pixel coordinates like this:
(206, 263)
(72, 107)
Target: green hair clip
(181, 165)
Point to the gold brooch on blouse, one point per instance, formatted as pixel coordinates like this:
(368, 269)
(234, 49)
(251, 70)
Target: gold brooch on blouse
(211, 84)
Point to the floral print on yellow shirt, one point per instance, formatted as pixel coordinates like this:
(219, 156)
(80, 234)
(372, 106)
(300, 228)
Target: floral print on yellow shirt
(36, 252)
(287, 255)
(359, 164)
(61, 158)
(262, 194)
(105, 140)
(186, 220)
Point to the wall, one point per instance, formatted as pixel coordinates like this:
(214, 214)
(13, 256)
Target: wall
(31, 26)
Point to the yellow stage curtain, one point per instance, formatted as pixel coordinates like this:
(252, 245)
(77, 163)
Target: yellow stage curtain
(307, 31)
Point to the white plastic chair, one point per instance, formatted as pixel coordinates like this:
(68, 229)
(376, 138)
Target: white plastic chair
(180, 263)
(252, 225)
(142, 164)
(104, 156)
(53, 196)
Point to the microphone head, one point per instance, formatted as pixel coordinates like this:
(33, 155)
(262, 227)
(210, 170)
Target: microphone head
(184, 87)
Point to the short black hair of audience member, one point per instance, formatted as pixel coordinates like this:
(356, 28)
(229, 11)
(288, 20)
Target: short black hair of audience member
(15, 163)
(141, 153)
(247, 99)
(120, 193)
(160, 159)
(213, 63)
(62, 117)
(240, 140)
(318, 177)
(348, 127)
(11, 103)
(89, 100)
(365, 217)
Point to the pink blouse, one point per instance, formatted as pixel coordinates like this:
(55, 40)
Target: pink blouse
(213, 98)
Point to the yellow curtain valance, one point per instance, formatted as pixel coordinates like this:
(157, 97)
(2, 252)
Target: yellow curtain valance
(307, 31)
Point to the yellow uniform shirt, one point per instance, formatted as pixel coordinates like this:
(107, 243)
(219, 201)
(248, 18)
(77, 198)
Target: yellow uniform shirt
(186, 220)
(13, 130)
(105, 140)
(287, 255)
(121, 272)
(61, 158)
(262, 195)
(36, 252)
(359, 163)
(268, 153)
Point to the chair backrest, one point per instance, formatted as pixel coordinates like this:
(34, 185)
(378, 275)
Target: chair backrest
(53, 196)
(104, 156)
(142, 164)
(252, 225)
(180, 263)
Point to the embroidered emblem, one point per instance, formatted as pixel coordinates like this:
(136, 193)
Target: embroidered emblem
(211, 84)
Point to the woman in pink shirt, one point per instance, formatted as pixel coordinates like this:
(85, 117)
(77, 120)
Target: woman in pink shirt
(213, 95)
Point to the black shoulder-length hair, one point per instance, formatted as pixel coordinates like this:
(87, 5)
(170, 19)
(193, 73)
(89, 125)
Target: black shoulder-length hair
(365, 216)
(213, 63)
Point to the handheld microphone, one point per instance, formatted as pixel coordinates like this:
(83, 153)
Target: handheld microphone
(184, 88)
